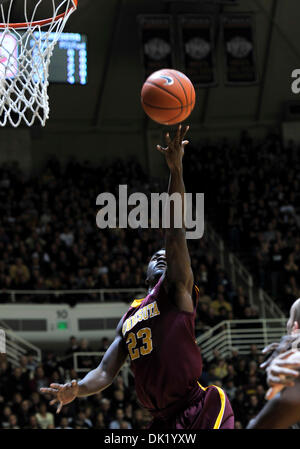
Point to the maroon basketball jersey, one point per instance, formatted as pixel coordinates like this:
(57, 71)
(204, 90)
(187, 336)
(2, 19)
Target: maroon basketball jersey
(165, 358)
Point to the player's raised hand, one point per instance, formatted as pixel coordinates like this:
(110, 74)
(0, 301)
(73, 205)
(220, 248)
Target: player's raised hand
(275, 349)
(63, 394)
(282, 372)
(174, 151)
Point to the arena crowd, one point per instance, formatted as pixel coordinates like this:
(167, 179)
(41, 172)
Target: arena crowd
(23, 406)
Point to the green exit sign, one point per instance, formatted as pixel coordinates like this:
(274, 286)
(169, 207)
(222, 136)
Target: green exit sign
(62, 325)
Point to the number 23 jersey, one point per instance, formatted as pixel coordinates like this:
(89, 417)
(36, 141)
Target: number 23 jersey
(160, 339)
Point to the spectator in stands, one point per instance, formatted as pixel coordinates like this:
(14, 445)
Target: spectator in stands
(253, 408)
(35, 399)
(238, 424)
(7, 411)
(13, 422)
(39, 380)
(220, 303)
(4, 377)
(17, 382)
(118, 400)
(23, 414)
(99, 422)
(32, 423)
(105, 408)
(19, 271)
(43, 417)
(119, 419)
(84, 361)
(64, 423)
(220, 371)
(138, 419)
(31, 362)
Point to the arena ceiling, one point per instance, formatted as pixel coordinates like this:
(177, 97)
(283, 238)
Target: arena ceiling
(116, 71)
(105, 118)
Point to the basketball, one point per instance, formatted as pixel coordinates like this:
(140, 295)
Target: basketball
(168, 96)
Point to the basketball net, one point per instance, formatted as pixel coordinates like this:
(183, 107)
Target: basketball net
(25, 54)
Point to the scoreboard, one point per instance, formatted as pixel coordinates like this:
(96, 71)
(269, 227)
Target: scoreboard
(69, 61)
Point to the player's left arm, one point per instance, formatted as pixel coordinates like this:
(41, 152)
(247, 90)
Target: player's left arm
(281, 412)
(179, 276)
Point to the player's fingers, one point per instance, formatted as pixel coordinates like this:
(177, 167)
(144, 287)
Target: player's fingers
(57, 386)
(273, 391)
(184, 132)
(59, 407)
(185, 143)
(287, 364)
(286, 354)
(74, 383)
(269, 348)
(54, 401)
(282, 371)
(49, 390)
(264, 364)
(168, 139)
(160, 149)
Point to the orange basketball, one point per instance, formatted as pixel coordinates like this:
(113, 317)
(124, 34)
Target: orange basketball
(168, 96)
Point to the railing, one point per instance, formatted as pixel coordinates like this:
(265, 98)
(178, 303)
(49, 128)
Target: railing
(16, 347)
(125, 371)
(240, 276)
(240, 334)
(105, 294)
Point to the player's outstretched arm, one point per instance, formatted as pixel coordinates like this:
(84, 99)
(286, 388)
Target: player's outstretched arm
(283, 408)
(96, 380)
(179, 275)
(281, 412)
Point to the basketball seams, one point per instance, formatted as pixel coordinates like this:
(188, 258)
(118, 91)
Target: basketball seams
(191, 100)
(165, 90)
(182, 86)
(170, 120)
(166, 109)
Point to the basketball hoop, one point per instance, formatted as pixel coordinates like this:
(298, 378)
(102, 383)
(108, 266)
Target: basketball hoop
(26, 48)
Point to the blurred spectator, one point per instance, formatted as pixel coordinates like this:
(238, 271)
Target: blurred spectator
(64, 424)
(32, 423)
(43, 417)
(84, 361)
(119, 419)
(39, 380)
(99, 422)
(220, 303)
(6, 413)
(13, 422)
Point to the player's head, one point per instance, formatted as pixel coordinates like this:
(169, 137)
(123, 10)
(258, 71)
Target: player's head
(293, 323)
(156, 267)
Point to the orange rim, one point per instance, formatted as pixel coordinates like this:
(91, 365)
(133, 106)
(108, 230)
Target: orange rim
(39, 22)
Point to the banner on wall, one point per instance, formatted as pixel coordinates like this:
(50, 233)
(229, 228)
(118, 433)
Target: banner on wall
(157, 42)
(239, 49)
(197, 49)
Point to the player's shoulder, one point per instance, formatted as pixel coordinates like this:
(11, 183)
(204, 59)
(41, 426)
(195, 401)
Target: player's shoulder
(137, 302)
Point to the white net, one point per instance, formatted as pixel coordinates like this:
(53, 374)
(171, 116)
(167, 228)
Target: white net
(26, 48)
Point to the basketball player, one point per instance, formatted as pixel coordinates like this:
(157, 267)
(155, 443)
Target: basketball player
(157, 333)
(283, 376)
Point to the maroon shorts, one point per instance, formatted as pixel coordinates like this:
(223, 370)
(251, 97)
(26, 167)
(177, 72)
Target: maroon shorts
(209, 409)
